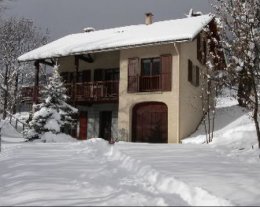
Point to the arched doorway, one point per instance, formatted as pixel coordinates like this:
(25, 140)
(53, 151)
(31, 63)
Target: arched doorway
(150, 123)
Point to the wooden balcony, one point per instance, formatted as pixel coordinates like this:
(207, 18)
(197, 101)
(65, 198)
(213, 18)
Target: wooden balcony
(99, 91)
(153, 83)
(89, 92)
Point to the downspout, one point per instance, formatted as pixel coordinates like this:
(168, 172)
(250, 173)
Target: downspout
(178, 93)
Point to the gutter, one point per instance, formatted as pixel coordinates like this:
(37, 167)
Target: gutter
(111, 49)
(178, 94)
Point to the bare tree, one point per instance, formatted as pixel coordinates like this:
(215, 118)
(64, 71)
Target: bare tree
(212, 77)
(241, 34)
(17, 36)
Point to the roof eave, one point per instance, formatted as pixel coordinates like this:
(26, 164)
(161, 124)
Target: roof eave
(111, 49)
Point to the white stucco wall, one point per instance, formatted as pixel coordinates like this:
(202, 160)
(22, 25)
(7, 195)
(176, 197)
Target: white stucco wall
(128, 100)
(190, 101)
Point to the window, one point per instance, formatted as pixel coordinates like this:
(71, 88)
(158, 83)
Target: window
(67, 77)
(112, 74)
(106, 74)
(84, 76)
(155, 74)
(193, 74)
(150, 79)
(150, 67)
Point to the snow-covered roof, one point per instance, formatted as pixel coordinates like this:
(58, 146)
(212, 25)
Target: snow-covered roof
(121, 37)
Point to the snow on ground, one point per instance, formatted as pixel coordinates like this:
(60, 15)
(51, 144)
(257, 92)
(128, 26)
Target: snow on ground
(73, 174)
(234, 134)
(225, 172)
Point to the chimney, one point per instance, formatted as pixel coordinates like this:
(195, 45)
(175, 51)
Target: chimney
(89, 29)
(148, 18)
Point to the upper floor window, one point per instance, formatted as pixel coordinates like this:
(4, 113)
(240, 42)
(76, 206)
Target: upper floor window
(151, 66)
(152, 74)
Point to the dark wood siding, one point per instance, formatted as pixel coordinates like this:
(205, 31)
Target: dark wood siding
(133, 65)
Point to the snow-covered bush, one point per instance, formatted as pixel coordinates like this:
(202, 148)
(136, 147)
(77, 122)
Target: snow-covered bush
(54, 115)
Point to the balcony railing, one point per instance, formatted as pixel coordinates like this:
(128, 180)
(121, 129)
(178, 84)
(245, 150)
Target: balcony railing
(94, 91)
(150, 83)
(161, 82)
(99, 91)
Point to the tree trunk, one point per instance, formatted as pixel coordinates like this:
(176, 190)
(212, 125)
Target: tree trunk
(5, 92)
(244, 88)
(255, 112)
(15, 94)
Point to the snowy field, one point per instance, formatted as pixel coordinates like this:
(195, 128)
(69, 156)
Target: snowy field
(225, 172)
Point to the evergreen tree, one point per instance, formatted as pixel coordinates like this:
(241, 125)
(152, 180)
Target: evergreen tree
(54, 114)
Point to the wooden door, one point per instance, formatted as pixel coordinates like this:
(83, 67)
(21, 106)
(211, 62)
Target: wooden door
(105, 125)
(83, 125)
(150, 123)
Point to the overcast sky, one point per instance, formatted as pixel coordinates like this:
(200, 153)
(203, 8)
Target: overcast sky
(64, 17)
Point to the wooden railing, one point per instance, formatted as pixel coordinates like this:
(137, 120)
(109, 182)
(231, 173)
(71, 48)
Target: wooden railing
(94, 91)
(98, 91)
(148, 83)
(16, 123)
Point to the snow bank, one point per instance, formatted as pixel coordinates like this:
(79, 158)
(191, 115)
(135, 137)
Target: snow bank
(234, 135)
(194, 196)
(8, 130)
(50, 137)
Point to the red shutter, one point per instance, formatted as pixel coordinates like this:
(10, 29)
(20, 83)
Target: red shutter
(190, 71)
(133, 64)
(166, 70)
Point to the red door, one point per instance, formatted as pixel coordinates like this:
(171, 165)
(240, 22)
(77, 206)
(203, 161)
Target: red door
(150, 123)
(83, 125)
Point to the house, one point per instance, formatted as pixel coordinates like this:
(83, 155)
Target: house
(137, 83)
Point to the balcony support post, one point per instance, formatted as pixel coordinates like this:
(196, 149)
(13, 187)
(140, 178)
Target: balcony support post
(36, 83)
(76, 78)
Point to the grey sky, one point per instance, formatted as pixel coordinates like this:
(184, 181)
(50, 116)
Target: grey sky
(64, 17)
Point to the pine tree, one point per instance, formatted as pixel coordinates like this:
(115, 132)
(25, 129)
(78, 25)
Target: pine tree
(54, 114)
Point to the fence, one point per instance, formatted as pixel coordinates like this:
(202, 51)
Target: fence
(16, 123)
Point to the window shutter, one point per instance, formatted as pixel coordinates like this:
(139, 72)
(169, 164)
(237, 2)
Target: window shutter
(197, 76)
(133, 64)
(166, 72)
(190, 71)
(199, 54)
(204, 57)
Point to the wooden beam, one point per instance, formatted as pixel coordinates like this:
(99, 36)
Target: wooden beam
(76, 77)
(87, 58)
(52, 63)
(36, 83)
